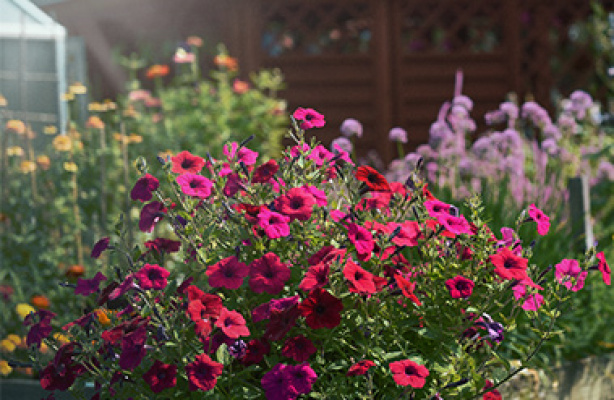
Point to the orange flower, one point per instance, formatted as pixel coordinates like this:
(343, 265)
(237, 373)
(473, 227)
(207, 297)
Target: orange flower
(103, 316)
(39, 301)
(94, 122)
(43, 162)
(156, 71)
(240, 86)
(62, 143)
(75, 271)
(226, 61)
(16, 126)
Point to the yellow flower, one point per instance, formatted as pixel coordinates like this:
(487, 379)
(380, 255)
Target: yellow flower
(95, 107)
(14, 151)
(134, 138)
(63, 339)
(7, 346)
(43, 162)
(5, 368)
(109, 105)
(3, 102)
(24, 309)
(50, 130)
(70, 166)
(77, 88)
(68, 96)
(16, 126)
(62, 143)
(27, 167)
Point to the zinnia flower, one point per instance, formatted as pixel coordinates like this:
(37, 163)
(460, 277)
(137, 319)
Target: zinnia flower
(409, 373)
(321, 309)
(203, 372)
(157, 71)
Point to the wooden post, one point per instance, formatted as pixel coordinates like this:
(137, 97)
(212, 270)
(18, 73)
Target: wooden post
(580, 213)
(380, 51)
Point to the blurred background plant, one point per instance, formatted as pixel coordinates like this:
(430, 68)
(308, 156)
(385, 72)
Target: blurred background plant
(60, 192)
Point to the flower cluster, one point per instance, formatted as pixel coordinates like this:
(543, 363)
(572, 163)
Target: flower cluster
(304, 275)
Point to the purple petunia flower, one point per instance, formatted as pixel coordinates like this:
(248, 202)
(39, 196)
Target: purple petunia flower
(85, 287)
(100, 246)
(150, 215)
(143, 187)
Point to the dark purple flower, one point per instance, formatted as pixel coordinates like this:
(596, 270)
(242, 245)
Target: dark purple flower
(238, 349)
(39, 330)
(276, 384)
(133, 348)
(162, 245)
(62, 371)
(161, 376)
(122, 289)
(85, 287)
(150, 215)
(143, 188)
(100, 246)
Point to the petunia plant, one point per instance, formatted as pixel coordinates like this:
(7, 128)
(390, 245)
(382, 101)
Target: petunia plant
(305, 276)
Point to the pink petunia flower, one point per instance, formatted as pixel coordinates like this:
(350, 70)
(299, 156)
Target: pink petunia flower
(604, 268)
(543, 221)
(361, 238)
(508, 265)
(268, 274)
(232, 324)
(436, 207)
(569, 274)
(227, 273)
(320, 155)
(275, 225)
(455, 225)
(409, 373)
(195, 185)
(310, 118)
(318, 195)
(152, 276)
(407, 235)
(532, 301)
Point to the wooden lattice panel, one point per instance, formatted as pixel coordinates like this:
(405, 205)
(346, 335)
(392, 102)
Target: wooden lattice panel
(317, 27)
(450, 26)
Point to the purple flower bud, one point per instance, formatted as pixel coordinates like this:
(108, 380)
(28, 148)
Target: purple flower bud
(351, 127)
(398, 134)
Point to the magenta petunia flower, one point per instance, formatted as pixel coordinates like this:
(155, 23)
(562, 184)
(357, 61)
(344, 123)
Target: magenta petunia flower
(100, 246)
(460, 287)
(361, 238)
(569, 274)
(150, 215)
(276, 384)
(408, 234)
(532, 301)
(318, 195)
(360, 280)
(301, 377)
(85, 287)
(310, 118)
(543, 221)
(161, 376)
(38, 330)
(360, 368)
(275, 225)
(455, 225)
(508, 265)
(264, 310)
(297, 203)
(604, 268)
(152, 276)
(436, 207)
(320, 155)
(232, 324)
(268, 274)
(143, 187)
(187, 163)
(299, 348)
(203, 372)
(233, 184)
(123, 288)
(195, 185)
(227, 273)
(409, 373)
(315, 277)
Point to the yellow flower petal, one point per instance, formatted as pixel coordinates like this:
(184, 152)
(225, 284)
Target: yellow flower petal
(24, 309)
(5, 368)
(7, 346)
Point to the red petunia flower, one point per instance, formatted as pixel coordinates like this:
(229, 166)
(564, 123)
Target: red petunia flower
(321, 309)
(604, 268)
(310, 117)
(195, 185)
(161, 376)
(407, 288)
(299, 348)
(360, 280)
(265, 172)
(409, 373)
(360, 368)
(373, 179)
(185, 162)
(232, 324)
(203, 372)
(152, 276)
(268, 274)
(143, 187)
(460, 287)
(493, 394)
(227, 273)
(509, 266)
(543, 221)
(315, 277)
(297, 203)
